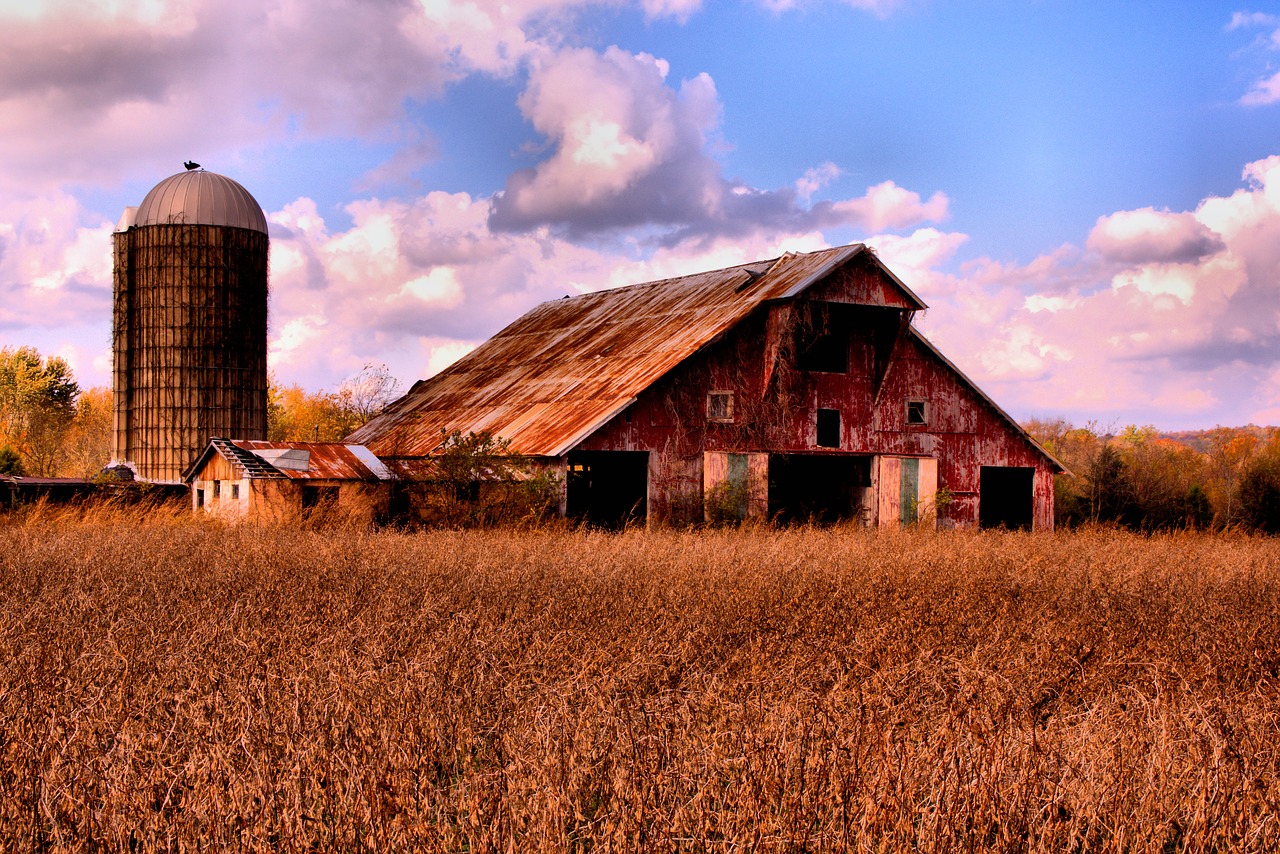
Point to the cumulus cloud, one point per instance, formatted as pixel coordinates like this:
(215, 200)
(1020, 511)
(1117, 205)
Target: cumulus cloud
(1147, 235)
(628, 150)
(1176, 314)
(205, 75)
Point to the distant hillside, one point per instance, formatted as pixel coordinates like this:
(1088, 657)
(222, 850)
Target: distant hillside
(1199, 440)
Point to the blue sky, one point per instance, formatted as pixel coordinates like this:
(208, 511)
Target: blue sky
(1086, 194)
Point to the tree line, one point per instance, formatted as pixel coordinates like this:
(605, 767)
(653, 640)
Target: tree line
(1223, 478)
(1227, 477)
(51, 427)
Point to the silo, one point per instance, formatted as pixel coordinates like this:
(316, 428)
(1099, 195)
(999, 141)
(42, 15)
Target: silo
(190, 323)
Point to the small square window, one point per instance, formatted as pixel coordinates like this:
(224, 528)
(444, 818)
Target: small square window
(917, 412)
(828, 428)
(720, 407)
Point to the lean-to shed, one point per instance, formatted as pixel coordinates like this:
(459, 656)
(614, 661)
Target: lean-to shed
(792, 388)
(272, 481)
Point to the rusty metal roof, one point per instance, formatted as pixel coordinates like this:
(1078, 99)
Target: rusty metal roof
(295, 460)
(561, 371)
(197, 198)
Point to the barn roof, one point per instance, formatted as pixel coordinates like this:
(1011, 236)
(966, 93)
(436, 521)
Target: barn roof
(564, 369)
(928, 345)
(257, 459)
(558, 373)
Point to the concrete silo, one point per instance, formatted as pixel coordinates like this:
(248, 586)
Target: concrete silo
(190, 323)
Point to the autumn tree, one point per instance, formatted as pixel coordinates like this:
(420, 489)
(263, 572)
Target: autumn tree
(1136, 478)
(1258, 490)
(1229, 453)
(37, 407)
(297, 415)
(1077, 448)
(86, 446)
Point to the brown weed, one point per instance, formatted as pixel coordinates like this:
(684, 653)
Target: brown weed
(168, 685)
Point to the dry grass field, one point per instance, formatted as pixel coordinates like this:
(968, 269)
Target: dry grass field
(167, 685)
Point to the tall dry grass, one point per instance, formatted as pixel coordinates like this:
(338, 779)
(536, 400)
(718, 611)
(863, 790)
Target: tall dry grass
(167, 685)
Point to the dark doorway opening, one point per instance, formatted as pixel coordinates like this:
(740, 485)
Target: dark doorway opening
(1006, 497)
(319, 497)
(819, 488)
(608, 488)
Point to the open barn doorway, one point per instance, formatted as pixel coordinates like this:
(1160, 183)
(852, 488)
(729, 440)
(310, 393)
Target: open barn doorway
(608, 489)
(1006, 497)
(819, 488)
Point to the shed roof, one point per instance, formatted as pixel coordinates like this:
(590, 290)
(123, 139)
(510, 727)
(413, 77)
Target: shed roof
(257, 459)
(557, 374)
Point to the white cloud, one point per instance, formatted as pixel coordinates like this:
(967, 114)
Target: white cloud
(629, 151)
(1173, 314)
(886, 205)
(1264, 91)
(1147, 235)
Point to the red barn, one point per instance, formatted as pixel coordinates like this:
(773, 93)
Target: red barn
(794, 388)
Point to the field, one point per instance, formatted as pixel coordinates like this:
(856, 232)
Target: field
(168, 685)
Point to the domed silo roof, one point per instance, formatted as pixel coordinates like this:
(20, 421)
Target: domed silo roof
(200, 198)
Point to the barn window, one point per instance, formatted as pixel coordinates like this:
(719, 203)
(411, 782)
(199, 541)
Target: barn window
(235, 492)
(217, 488)
(828, 428)
(720, 407)
(917, 412)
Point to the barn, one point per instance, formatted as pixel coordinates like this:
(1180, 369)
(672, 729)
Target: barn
(794, 389)
(240, 479)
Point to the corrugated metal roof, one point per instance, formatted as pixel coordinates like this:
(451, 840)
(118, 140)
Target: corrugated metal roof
(198, 198)
(323, 460)
(561, 371)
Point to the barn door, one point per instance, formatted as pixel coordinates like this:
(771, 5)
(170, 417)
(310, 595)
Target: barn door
(907, 487)
(734, 485)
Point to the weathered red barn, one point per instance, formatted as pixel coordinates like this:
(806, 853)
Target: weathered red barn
(794, 388)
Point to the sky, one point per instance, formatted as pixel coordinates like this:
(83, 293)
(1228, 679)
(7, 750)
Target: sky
(1086, 194)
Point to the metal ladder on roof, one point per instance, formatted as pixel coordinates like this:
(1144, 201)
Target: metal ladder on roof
(253, 465)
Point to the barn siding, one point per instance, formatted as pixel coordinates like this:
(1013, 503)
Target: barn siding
(964, 432)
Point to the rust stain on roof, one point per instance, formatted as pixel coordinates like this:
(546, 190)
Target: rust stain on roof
(325, 460)
(558, 373)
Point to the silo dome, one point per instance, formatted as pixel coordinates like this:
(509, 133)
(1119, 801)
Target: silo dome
(189, 341)
(200, 198)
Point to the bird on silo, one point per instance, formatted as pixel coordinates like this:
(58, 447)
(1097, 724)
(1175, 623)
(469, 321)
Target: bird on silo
(191, 164)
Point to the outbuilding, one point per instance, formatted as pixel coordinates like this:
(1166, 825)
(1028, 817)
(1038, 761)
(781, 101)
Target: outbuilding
(278, 481)
(794, 389)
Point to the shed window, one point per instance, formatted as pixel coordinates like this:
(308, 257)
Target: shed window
(199, 497)
(917, 412)
(217, 488)
(720, 406)
(828, 428)
(235, 492)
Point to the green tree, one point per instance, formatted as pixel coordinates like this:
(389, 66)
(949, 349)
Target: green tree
(37, 406)
(11, 462)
